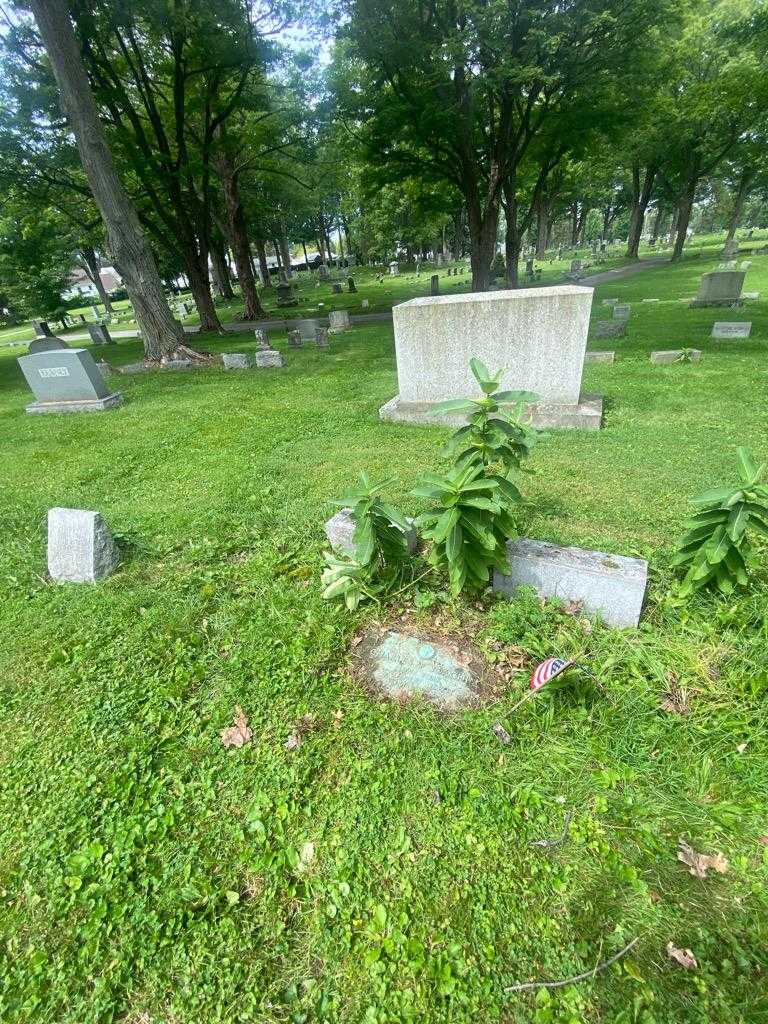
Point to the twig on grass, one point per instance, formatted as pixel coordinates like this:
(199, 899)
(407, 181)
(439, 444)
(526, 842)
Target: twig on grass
(549, 843)
(528, 985)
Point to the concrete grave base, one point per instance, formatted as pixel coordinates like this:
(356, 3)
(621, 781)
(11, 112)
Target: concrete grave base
(676, 356)
(599, 357)
(701, 304)
(586, 415)
(268, 357)
(612, 586)
(95, 405)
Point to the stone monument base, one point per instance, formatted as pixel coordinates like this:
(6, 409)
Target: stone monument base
(587, 415)
(95, 405)
(702, 303)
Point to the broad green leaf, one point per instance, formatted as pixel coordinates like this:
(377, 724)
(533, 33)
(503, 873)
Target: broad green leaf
(453, 405)
(748, 470)
(444, 525)
(718, 546)
(487, 504)
(480, 372)
(364, 540)
(512, 397)
(716, 497)
(737, 523)
(453, 544)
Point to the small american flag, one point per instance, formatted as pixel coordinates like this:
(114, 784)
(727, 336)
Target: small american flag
(548, 670)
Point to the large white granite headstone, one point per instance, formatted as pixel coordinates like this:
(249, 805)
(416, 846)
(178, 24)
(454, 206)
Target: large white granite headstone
(538, 335)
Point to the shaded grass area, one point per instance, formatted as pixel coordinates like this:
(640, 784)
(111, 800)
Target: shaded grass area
(148, 875)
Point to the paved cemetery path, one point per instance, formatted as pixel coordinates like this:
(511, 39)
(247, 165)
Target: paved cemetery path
(616, 275)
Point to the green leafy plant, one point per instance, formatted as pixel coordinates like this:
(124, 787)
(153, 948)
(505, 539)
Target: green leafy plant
(381, 547)
(495, 433)
(686, 356)
(470, 527)
(716, 546)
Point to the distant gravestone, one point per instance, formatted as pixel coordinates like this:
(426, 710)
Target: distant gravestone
(323, 273)
(365, 304)
(267, 357)
(622, 312)
(723, 329)
(261, 339)
(610, 328)
(610, 302)
(95, 312)
(100, 335)
(336, 288)
(236, 360)
(46, 345)
(41, 329)
(351, 286)
(599, 357)
(434, 285)
(650, 300)
(576, 266)
(752, 296)
(351, 261)
(307, 328)
(295, 339)
(394, 268)
(321, 337)
(80, 546)
(339, 320)
(731, 248)
(529, 267)
(720, 288)
(612, 586)
(285, 295)
(691, 355)
(67, 380)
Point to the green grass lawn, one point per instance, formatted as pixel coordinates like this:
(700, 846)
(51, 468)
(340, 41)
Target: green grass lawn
(149, 876)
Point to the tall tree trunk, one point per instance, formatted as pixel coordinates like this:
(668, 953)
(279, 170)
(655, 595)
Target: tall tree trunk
(745, 183)
(261, 252)
(306, 255)
(641, 196)
(160, 333)
(542, 227)
(684, 208)
(285, 253)
(458, 225)
(196, 266)
(575, 224)
(483, 228)
(92, 269)
(278, 255)
(657, 224)
(238, 237)
(220, 269)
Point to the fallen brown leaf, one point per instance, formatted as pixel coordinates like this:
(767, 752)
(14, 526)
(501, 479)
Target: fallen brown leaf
(763, 840)
(293, 741)
(517, 657)
(238, 734)
(675, 700)
(573, 607)
(684, 957)
(699, 863)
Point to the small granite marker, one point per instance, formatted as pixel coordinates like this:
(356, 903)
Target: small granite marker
(610, 585)
(724, 329)
(339, 320)
(236, 360)
(692, 355)
(364, 304)
(610, 302)
(321, 337)
(622, 312)
(41, 329)
(434, 285)
(340, 528)
(402, 666)
(599, 357)
(67, 380)
(80, 546)
(261, 340)
(336, 288)
(295, 339)
(268, 357)
(610, 329)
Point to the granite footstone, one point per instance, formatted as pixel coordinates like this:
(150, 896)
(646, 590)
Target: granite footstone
(612, 586)
(236, 361)
(268, 357)
(679, 355)
(725, 330)
(599, 357)
(610, 329)
(80, 546)
(340, 528)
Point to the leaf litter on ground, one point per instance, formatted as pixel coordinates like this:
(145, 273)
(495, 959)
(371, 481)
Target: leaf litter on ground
(699, 864)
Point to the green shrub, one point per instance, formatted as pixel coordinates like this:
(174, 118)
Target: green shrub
(716, 546)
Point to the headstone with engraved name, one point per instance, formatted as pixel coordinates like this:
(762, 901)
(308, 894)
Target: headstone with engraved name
(723, 329)
(720, 288)
(67, 380)
(622, 312)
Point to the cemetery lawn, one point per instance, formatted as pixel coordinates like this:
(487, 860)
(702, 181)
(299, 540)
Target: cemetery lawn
(383, 871)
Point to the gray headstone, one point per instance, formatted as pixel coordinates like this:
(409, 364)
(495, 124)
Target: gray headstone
(285, 295)
(336, 288)
(66, 380)
(100, 335)
(577, 265)
(610, 328)
(351, 286)
(365, 304)
(622, 312)
(295, 339)
(307, 328)
(322, 272)
(338, 320)
(434, 285)
(340, 528)
(752, 296)
(321, 337)
(46, 345)
(720, 288)
(41, 328)
(80, 546)
(676, 356)
(723, 329)
(610, 585)
(599, 357)
(610, 302)
(394, 268)
(261, 339)
(236, 360)
(268, 357)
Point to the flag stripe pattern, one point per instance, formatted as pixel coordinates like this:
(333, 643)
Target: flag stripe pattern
(548, 670)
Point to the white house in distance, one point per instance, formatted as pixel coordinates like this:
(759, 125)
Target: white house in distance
(81, 285)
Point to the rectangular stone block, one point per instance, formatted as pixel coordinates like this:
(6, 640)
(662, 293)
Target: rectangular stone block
(720, 288)
(236, 360)
(599, 357)
(752, 296)
(610, 328)
(676, 356)
(622, 312)
(612, 586)
(650, 300)
(307, 328)
(41, 328)
(724, 329)
(268, 357)
(66, 380)
(80, 546)
(340, 528)
(610, 302)
(100, 334)
(338, 320)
